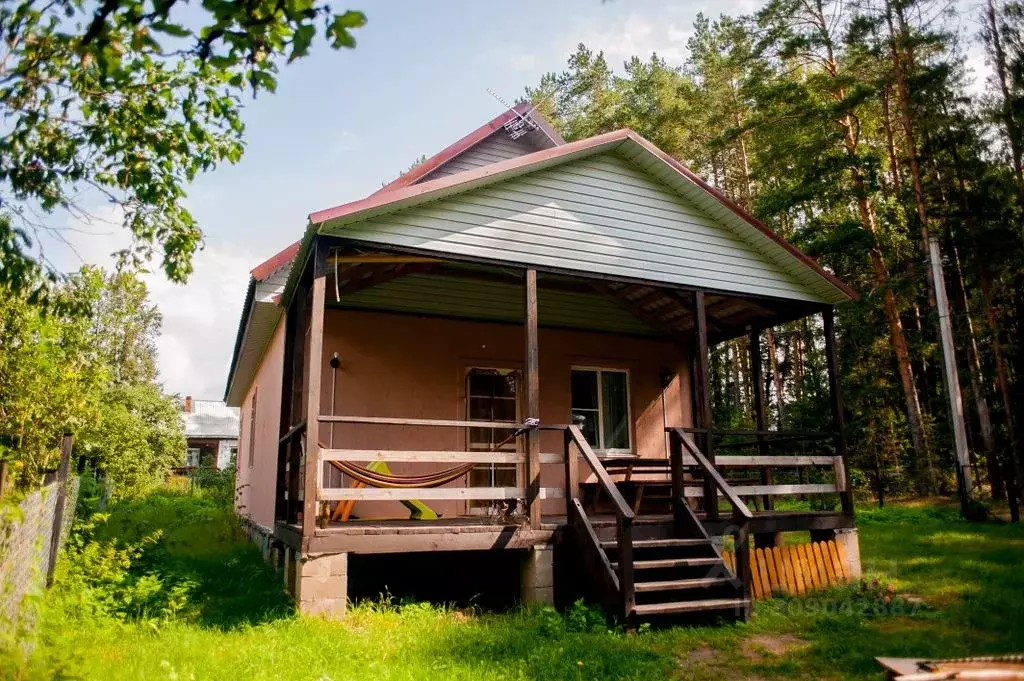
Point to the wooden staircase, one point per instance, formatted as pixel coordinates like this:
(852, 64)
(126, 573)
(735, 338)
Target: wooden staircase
(674, 571)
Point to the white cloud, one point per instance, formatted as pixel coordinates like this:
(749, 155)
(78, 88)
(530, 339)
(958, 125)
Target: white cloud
(200, 318)
(635, 36)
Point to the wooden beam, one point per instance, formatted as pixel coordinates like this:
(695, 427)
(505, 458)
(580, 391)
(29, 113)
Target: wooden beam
(379, 276)
(444, 423)
(285, 414)
(760, 405)
(695, 491)
(838, 425)
(314, 369)
(380, 258)
(420, 456)
(702, 385)
(531, 365)
(619, 296)
(62, 496)
(293, 449)
(424, 493)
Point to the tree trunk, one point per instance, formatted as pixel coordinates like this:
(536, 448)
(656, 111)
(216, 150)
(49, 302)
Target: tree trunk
(1003, 379)
(1001, 73)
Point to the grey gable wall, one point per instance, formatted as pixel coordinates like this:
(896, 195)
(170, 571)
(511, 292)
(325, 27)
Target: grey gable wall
(595, 215)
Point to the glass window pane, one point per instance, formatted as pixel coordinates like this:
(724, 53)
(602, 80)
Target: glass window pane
(589, 427)
(615, 420)
(584, 389)
(479, 409)
(504, 410)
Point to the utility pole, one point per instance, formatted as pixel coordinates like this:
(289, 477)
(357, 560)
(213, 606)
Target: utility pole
(965, 482)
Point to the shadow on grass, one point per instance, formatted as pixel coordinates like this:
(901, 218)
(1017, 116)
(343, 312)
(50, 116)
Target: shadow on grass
(202, 544)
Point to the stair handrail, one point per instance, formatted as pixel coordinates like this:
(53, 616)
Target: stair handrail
(741, 515)
(624, 515)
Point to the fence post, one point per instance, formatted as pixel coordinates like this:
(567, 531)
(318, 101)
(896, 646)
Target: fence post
(58, 513)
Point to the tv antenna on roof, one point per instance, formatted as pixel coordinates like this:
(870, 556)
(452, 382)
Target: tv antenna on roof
(522, 123)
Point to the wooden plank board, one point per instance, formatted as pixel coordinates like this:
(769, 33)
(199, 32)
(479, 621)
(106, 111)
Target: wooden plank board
(774, 584)
(833, 555)
(755, 582)
(443, 423)
(738, 460)
(761, 569)
(420, 456)
(435, 493)
(693, 491)
(819, 560)
(844, 563)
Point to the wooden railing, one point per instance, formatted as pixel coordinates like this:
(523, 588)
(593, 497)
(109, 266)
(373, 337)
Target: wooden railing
(768, 464)
(714, 484)
(447, 492)
(618, 589)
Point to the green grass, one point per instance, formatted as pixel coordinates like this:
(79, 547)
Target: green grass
(961, 591)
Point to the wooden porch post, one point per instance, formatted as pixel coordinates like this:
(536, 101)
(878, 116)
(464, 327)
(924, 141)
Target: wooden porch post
(757, 379)
(532, 381)
(287, 411)
(838, 426)
(314, 367)
(703, 399)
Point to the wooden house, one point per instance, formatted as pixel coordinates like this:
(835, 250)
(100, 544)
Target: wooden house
(505, 352)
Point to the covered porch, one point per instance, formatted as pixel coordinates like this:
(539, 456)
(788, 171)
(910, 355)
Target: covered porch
(540, 474)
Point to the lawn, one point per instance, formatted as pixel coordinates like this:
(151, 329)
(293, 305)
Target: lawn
(210, 609)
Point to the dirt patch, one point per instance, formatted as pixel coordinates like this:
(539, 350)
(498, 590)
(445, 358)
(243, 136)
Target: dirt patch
(756, 648)
(704, 655)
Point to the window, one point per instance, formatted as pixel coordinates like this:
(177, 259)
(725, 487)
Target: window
(192, 457)
(601, 397)
(491, 395)
(252, 427)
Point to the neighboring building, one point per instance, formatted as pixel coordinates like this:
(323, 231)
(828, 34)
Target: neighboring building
(211, 430)
(516, 277)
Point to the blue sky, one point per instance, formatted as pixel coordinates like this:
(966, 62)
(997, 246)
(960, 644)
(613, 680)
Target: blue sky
(341, 123)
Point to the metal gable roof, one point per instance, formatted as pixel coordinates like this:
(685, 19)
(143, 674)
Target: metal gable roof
(627, 144)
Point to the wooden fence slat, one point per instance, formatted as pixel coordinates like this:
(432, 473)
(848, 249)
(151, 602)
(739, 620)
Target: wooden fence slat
(837, 565)
(810, 572)
(798, 570)
(773, 575)
(830, 568)
(841, 551)
(762, 569)
(820, 562)
(780, 567)
(755, 577)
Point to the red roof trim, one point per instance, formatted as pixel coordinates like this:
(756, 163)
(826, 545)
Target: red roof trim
(379, 200)
(464, 144)
(268, 267)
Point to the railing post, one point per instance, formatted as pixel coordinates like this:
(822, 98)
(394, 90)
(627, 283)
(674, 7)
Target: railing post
(532, 380)
(314, 368)
(742, 547)
(572, 475)
(625, 538)
(675, 455)
(832, 360)
(703, 399)
(757, 381)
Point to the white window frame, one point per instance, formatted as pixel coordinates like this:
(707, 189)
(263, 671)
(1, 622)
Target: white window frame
(600, 408)
(485, 507)
(197, 452)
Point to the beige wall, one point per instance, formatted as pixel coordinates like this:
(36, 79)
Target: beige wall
(256, 484)
(413, 367)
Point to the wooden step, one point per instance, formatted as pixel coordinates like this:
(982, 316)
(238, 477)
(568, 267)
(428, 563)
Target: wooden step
(671, 563)
(690, 606)
(681, 584)
(657, 543)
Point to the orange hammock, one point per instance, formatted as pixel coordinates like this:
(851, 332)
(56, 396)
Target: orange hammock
(436, 479)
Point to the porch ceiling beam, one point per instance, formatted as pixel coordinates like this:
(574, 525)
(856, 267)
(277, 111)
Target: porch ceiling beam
(376, 277)
(619, 296)
(688, 305)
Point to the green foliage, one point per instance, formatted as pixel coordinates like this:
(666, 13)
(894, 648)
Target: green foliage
(86, 367)
(130, 101)
(955, 590)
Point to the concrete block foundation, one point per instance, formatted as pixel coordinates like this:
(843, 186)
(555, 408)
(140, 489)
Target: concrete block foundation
(321, 584)
(537, 581)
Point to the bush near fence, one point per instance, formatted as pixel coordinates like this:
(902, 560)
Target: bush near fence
(26, 536)
(796, 569)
